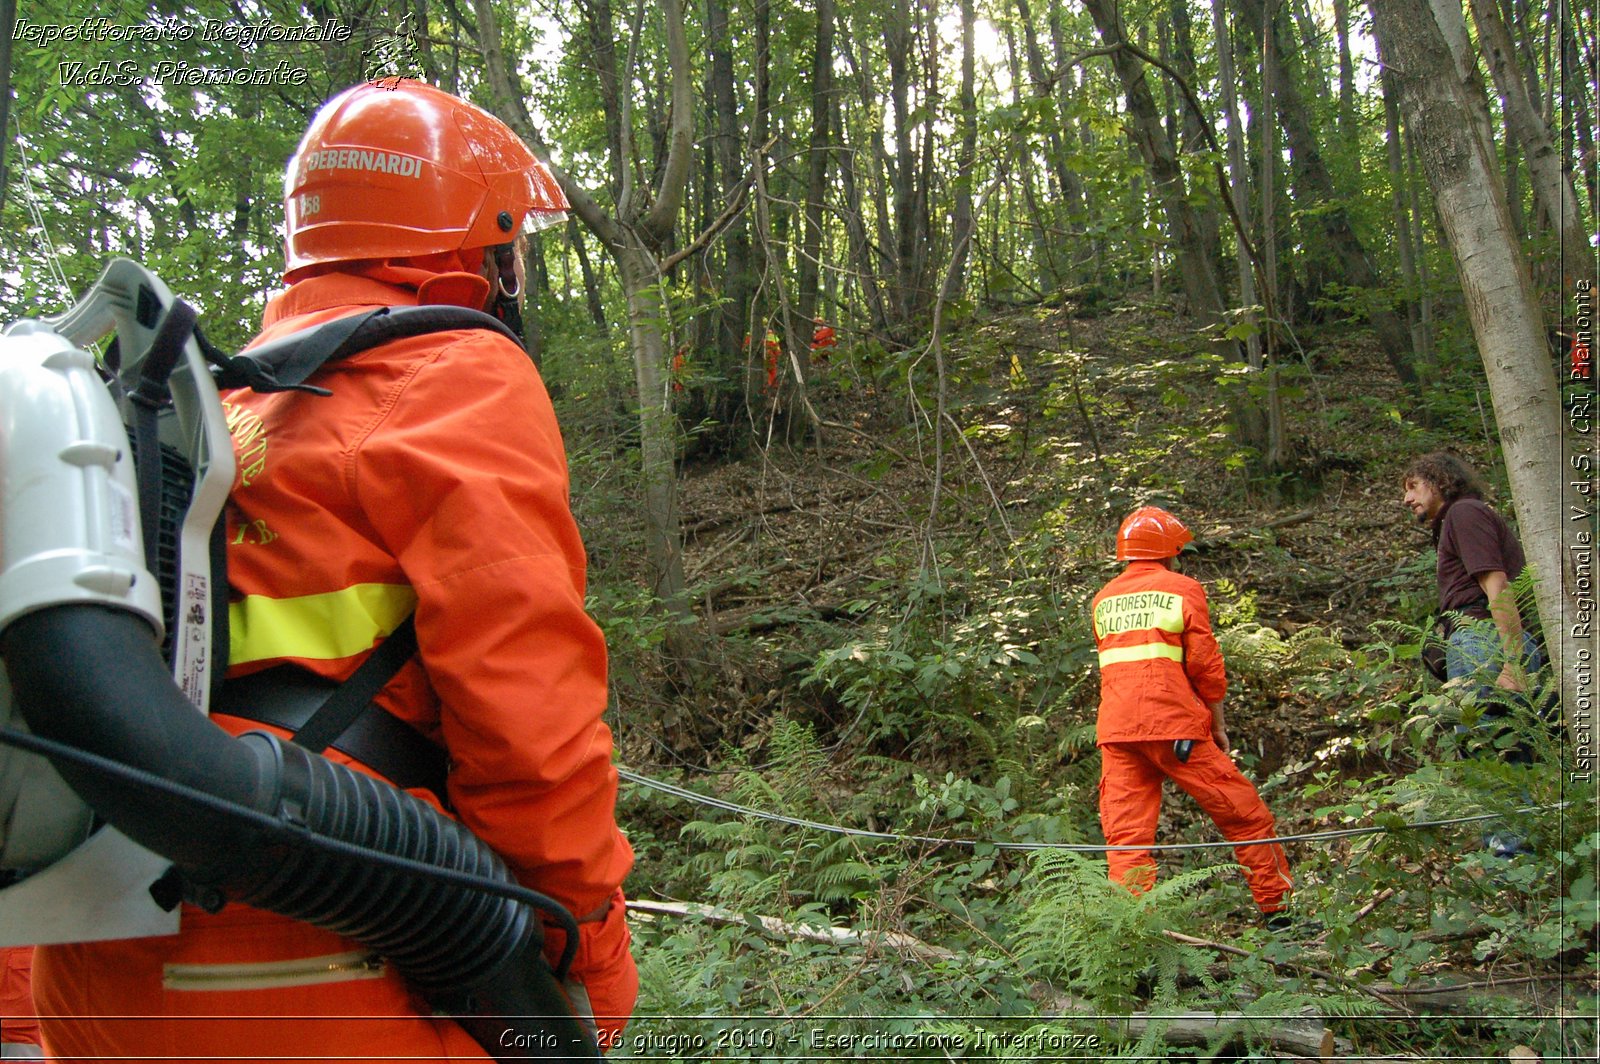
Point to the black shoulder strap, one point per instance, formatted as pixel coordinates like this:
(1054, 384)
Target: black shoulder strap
(148, 396)
(351, 698)
(287, 362)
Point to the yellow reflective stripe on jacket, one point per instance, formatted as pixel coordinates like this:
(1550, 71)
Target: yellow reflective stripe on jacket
(1141, 652)
(1161, 610)
(325, 627)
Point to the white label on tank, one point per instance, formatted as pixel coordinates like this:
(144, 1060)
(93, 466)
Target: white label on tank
(124, 518)
(194, 633)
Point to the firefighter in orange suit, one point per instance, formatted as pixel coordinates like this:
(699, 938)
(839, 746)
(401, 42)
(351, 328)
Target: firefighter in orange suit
(1161, 690)
(431, 482)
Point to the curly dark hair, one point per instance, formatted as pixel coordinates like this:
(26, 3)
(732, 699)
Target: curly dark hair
(1449, 474)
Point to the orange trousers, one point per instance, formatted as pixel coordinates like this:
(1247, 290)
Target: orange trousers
(1131, 775)
(241, 986)
(19, 1023)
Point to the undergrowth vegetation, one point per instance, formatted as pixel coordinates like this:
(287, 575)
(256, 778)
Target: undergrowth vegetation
(889, 713)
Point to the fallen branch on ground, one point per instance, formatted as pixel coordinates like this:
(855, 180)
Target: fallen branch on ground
(1207, 542)
(1304, 1036)
(1190, 940)
(841, 936)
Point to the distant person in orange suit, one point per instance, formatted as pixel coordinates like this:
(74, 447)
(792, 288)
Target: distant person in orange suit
(680, 368)
(773, 351)
(1161, 688)
(822, 341)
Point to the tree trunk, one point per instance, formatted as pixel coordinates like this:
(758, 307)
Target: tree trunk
(1194, 140)
(1310, 37)
(869, 259)
(923, 264)
(536, 279)
(658, 429)
(1401, 215)
(1314, 182)
(897, 51)
(1506, 322)
(591, 282)
(1169, 98)
(1078, 207)
(635, 239)
(600, 40)
(1267, 435)
(816, 173)
(1144, 130)
(1270, 151)
(1575, 78)
(1452, 24)
(1042, 255)
(728, 354)
(1418, 241)
(758, 312)
(961, 221)
(8, 19)
(1349, 134)
(1519, 219)
(1553, 194)
(1067, 186)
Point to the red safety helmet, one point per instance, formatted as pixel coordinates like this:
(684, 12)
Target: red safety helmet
(399, 168)
(1150, 533)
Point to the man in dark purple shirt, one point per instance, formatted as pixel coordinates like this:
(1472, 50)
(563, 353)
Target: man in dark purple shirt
(1479, 556)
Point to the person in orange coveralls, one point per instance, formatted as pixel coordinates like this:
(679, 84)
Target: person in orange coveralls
(772, 353)
(432, 483)
(19, 1027)
(1161, 689)
(823, 340)
(680, 368)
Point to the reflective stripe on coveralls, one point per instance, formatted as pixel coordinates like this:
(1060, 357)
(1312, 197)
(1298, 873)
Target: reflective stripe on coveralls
(320, 627)
(268, 975)
(1146, 652)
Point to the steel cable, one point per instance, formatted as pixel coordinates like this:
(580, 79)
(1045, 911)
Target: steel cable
(1072, 847)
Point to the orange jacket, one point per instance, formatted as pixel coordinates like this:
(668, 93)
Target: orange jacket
(1159, 663)
(433, 478)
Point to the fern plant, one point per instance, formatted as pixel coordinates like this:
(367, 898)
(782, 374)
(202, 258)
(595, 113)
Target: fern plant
(769, 867)
(1098, 940)
(1254, 650)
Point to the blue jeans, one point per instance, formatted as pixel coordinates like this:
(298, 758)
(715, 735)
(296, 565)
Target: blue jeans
(1475, 651)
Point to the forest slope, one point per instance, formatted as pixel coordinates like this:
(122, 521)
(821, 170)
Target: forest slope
(854, 662)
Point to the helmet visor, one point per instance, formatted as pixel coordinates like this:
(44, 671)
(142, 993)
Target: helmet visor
(540, 218)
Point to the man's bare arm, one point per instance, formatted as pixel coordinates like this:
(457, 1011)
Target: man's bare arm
(1507, 619)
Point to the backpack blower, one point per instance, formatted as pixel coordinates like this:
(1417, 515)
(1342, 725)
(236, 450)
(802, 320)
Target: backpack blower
(117, 795)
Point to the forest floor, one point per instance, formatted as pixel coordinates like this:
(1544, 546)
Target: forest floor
(1073, 421)
(803, 561)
